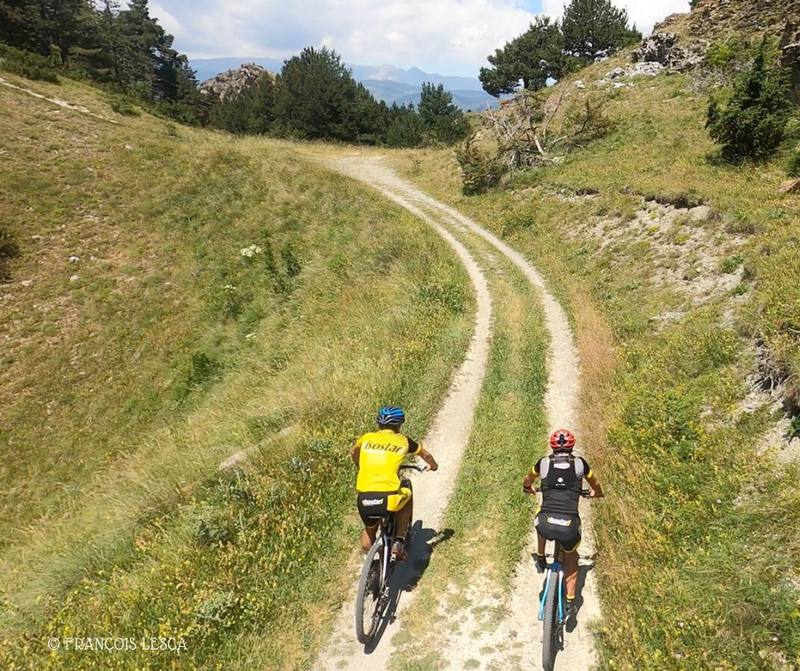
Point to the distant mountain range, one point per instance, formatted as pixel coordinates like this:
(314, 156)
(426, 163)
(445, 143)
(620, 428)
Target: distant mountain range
(385, 82)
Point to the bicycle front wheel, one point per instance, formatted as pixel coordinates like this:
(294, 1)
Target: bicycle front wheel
(550, 638)
(369, 593)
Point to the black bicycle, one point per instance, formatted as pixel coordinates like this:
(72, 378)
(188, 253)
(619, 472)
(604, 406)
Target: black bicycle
(379, 564)
(551, 608)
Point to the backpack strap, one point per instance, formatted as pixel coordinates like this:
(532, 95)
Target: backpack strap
(579, 471)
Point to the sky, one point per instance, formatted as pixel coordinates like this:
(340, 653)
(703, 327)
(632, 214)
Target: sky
(450, 37)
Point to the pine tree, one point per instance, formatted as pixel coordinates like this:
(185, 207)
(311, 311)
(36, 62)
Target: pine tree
(148, 61)
(532, 58)
(45, 27)
(753, 124)
(595, 28)
(443, 120)
(405, 127)
(318, 98)
(251, 111)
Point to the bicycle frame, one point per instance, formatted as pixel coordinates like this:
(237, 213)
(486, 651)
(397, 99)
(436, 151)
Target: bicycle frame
(554, 572)
(387, 531)
(385, 535)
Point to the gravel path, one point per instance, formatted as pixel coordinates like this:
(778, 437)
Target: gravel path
(446, 439)
(516, 642)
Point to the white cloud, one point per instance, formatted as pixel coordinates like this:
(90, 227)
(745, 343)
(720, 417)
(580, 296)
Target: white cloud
(453, 36)
(167, 20)
(449, 34)
(644, 13)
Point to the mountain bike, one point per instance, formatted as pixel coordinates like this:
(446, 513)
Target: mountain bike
(551, 609)
(373, 597)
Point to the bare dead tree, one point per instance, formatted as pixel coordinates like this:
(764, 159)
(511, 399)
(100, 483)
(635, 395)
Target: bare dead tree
(530, 132)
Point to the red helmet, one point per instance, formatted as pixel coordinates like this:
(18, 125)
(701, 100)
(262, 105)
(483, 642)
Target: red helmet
(562, 440)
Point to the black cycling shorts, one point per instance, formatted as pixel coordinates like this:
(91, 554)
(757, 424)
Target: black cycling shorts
(374, 506)
(565, 529)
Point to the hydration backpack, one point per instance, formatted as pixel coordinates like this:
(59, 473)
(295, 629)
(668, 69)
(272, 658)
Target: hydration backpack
(562, 472)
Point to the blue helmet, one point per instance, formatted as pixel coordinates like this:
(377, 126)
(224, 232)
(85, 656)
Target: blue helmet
(390, 416)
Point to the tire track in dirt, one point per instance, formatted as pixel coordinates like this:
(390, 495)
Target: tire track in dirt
(516, 641)
(56, 101)
(446, 439)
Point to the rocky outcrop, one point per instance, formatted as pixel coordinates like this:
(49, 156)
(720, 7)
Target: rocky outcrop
(717, 20)
(666, 49)
(230, 83)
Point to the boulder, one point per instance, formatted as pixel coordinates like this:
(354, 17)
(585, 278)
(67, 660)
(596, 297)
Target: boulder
(790, 186)
(646, 69)
(232, 82)
(656, 48)
(666, 49)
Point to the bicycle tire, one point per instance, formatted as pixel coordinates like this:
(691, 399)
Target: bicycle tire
(369, 585)
(550, 637)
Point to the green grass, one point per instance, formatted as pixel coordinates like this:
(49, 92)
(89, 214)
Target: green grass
(122, 391)
(698, 538)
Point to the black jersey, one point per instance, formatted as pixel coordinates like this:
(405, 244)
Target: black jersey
(562, 476)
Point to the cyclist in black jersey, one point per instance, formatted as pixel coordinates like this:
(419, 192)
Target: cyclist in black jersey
(562, 475)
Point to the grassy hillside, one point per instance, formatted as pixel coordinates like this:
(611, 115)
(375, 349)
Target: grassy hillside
(691, 268)
(180, 297)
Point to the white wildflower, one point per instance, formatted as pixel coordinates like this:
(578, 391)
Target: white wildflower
(251, 251)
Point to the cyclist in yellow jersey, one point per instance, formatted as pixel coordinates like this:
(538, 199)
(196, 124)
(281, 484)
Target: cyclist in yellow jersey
(378, 456)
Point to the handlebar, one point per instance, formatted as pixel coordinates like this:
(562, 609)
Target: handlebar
(585, 493)
(414, 467)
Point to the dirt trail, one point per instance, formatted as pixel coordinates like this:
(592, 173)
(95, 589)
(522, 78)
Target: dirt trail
(516, 641)
(56, 101)
(446, 439)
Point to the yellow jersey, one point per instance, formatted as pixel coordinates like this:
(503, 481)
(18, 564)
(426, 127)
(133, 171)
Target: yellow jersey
(382, 454)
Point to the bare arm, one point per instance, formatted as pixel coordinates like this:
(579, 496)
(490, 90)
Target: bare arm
(597, 488)
(427, 457)
(527, 482)
(355, 454)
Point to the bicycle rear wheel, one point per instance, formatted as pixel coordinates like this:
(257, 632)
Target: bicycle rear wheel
(550, 638)
(369, 593)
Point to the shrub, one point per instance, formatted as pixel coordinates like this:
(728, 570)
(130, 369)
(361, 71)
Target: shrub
(201, 369)
(753, 124)
(8, 250)
(478, 171)
(26, 64)
(720, 55)
(793, 169)
(121, 105)
(290, 260)
(448, 296)
(731, 263)
(794, 428)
